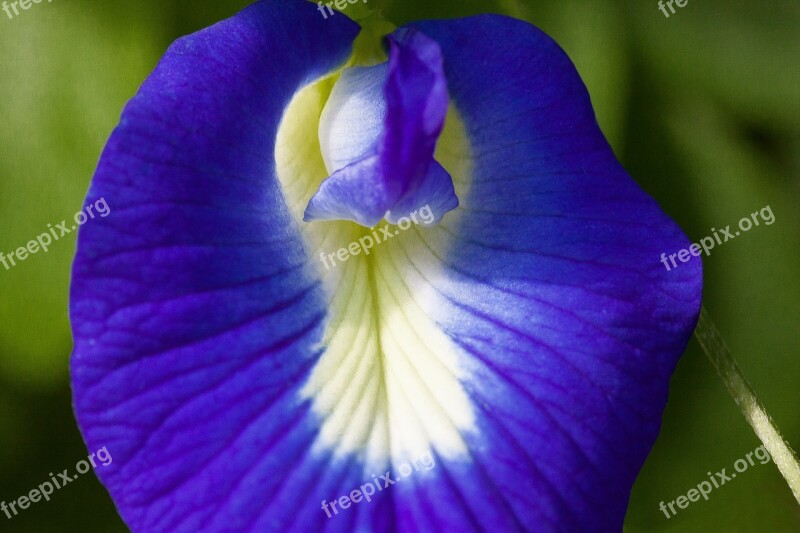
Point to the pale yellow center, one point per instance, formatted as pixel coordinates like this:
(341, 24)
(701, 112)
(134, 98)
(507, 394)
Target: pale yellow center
(388, 387)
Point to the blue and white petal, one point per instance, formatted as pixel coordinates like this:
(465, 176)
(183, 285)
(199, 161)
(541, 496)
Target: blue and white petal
(247, 369)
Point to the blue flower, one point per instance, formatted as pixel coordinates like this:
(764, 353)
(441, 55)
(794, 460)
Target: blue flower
(355, 292)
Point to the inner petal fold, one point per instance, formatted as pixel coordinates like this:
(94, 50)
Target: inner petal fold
(378, 134)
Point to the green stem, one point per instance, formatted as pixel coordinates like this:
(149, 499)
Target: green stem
(744, 396)
(368, 46)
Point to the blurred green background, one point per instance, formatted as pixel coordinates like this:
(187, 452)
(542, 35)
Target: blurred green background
(702, 108)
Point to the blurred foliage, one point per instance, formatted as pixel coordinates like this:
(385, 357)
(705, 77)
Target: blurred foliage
(702, 108)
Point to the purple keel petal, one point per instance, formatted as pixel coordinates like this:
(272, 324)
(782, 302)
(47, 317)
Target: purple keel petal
(416, 94)
(378, 133)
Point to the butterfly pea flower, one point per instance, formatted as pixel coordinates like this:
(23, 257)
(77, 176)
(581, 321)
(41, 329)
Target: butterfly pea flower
(499, 365)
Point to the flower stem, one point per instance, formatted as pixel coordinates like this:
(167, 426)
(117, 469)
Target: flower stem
(744, 396)
(368, 46)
